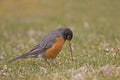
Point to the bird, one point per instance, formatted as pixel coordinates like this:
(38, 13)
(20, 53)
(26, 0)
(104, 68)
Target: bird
(49, 46)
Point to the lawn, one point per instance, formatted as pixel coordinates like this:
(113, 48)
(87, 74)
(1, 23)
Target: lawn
(96, 42)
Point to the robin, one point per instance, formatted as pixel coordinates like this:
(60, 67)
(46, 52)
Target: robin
(49, 46)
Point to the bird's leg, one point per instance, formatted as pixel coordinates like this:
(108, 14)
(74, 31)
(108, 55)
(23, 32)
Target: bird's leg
(46, 61)
(53, 61)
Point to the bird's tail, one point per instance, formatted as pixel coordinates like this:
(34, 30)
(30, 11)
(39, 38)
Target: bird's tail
(20, 57)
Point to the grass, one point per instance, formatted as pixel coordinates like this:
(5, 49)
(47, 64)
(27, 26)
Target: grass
(96, 42)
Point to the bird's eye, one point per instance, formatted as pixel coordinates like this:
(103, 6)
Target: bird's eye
(69, 37)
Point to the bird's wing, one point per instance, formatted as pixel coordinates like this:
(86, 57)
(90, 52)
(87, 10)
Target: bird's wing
(41, 47)
(44, 44)
(48, 40)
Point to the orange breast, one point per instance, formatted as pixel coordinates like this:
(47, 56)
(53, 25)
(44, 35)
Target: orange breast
(55, 49)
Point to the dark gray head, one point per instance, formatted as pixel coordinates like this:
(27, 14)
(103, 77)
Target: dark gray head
(66, 33)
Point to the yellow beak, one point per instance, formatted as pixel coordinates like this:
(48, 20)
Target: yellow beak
(70, 49)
